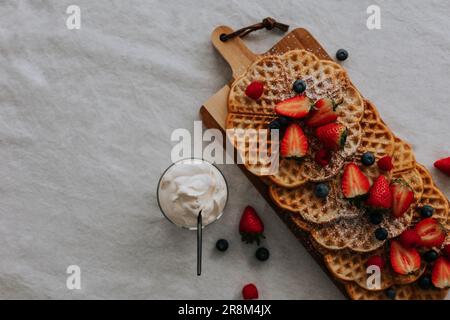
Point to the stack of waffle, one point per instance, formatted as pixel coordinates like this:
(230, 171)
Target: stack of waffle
(341, 232)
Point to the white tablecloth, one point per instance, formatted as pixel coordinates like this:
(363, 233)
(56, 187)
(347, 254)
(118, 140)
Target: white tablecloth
(86, 117)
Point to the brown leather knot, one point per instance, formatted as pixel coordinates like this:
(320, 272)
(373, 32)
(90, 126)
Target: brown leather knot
(267, 23)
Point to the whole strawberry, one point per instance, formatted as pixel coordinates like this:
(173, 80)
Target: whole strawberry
(251, 226)
(333, 136)
(443, 165)
(380, 196)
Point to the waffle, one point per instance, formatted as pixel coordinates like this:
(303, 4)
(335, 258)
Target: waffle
(376, 137)
(349, 266)
(403, 158)
(433, 196)
(324, 79)
(358, 234)
(302, 201)
(271, 72)
(403, 292)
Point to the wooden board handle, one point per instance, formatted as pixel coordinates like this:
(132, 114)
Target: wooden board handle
(234, 51)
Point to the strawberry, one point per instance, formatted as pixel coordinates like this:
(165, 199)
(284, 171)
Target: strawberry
(251, 226)
(323, 157)
(446, 251)
(409, 238)
(380, 195)
(385, 163)
(294, 143)
(431, 233)
(250, 292)
(402, 197)
(375, 261)
(296, 107)
(354, 183)
(332, 135)
(443, 165)
(324, 112)
(440, 276)
(254, 90)
(404, 260)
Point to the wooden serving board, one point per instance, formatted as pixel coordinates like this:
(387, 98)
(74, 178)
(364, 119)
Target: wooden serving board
(214, 111)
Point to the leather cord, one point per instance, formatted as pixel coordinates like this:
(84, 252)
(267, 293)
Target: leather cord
(268, 23)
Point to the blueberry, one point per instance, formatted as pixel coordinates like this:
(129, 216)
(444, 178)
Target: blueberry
(341, 54)
(368, 159)
(299, 86)
(284, 121)
(426, 211)
(321, 190)
(375, 217)
(390, 293)
(275, 125)
(222, 245)
(430, 255)
(381, 234)
(262, 254)
(425, 282)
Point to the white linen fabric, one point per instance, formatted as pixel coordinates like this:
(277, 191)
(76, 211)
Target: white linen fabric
(86, 118)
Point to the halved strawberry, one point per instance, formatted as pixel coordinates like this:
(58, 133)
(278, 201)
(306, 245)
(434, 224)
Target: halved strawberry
(431, 233)
(440, 276)
(402, 197)
(380, 196)
(294, 143)
(332, 135)
(324, 112)
(354, 182)
(409, 238)
(404, 260)
(296, 107)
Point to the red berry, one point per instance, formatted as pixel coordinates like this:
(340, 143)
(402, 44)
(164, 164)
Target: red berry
(251, 226)
(323, 157)
(250, 292)
(255, 90)
(375, 261)
(446, 251)
(385, 163)
(380, 196)
(409, 238)
(443, 165)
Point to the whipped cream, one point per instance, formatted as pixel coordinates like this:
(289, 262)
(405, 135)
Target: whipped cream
(189, 186)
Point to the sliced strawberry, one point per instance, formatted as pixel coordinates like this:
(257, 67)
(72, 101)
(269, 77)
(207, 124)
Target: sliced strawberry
(431, 233)
(385, 163)
(332, 135)
(409, 238)
(380, 196)
(254, 90)
(324, 112)
(402, 197)
(294, 143)
(404, 260)
(440, 276)
(443, 165)
(296, 107)
(354, 182)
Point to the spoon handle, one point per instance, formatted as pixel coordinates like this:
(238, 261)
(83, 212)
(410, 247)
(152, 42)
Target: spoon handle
(199, 243)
